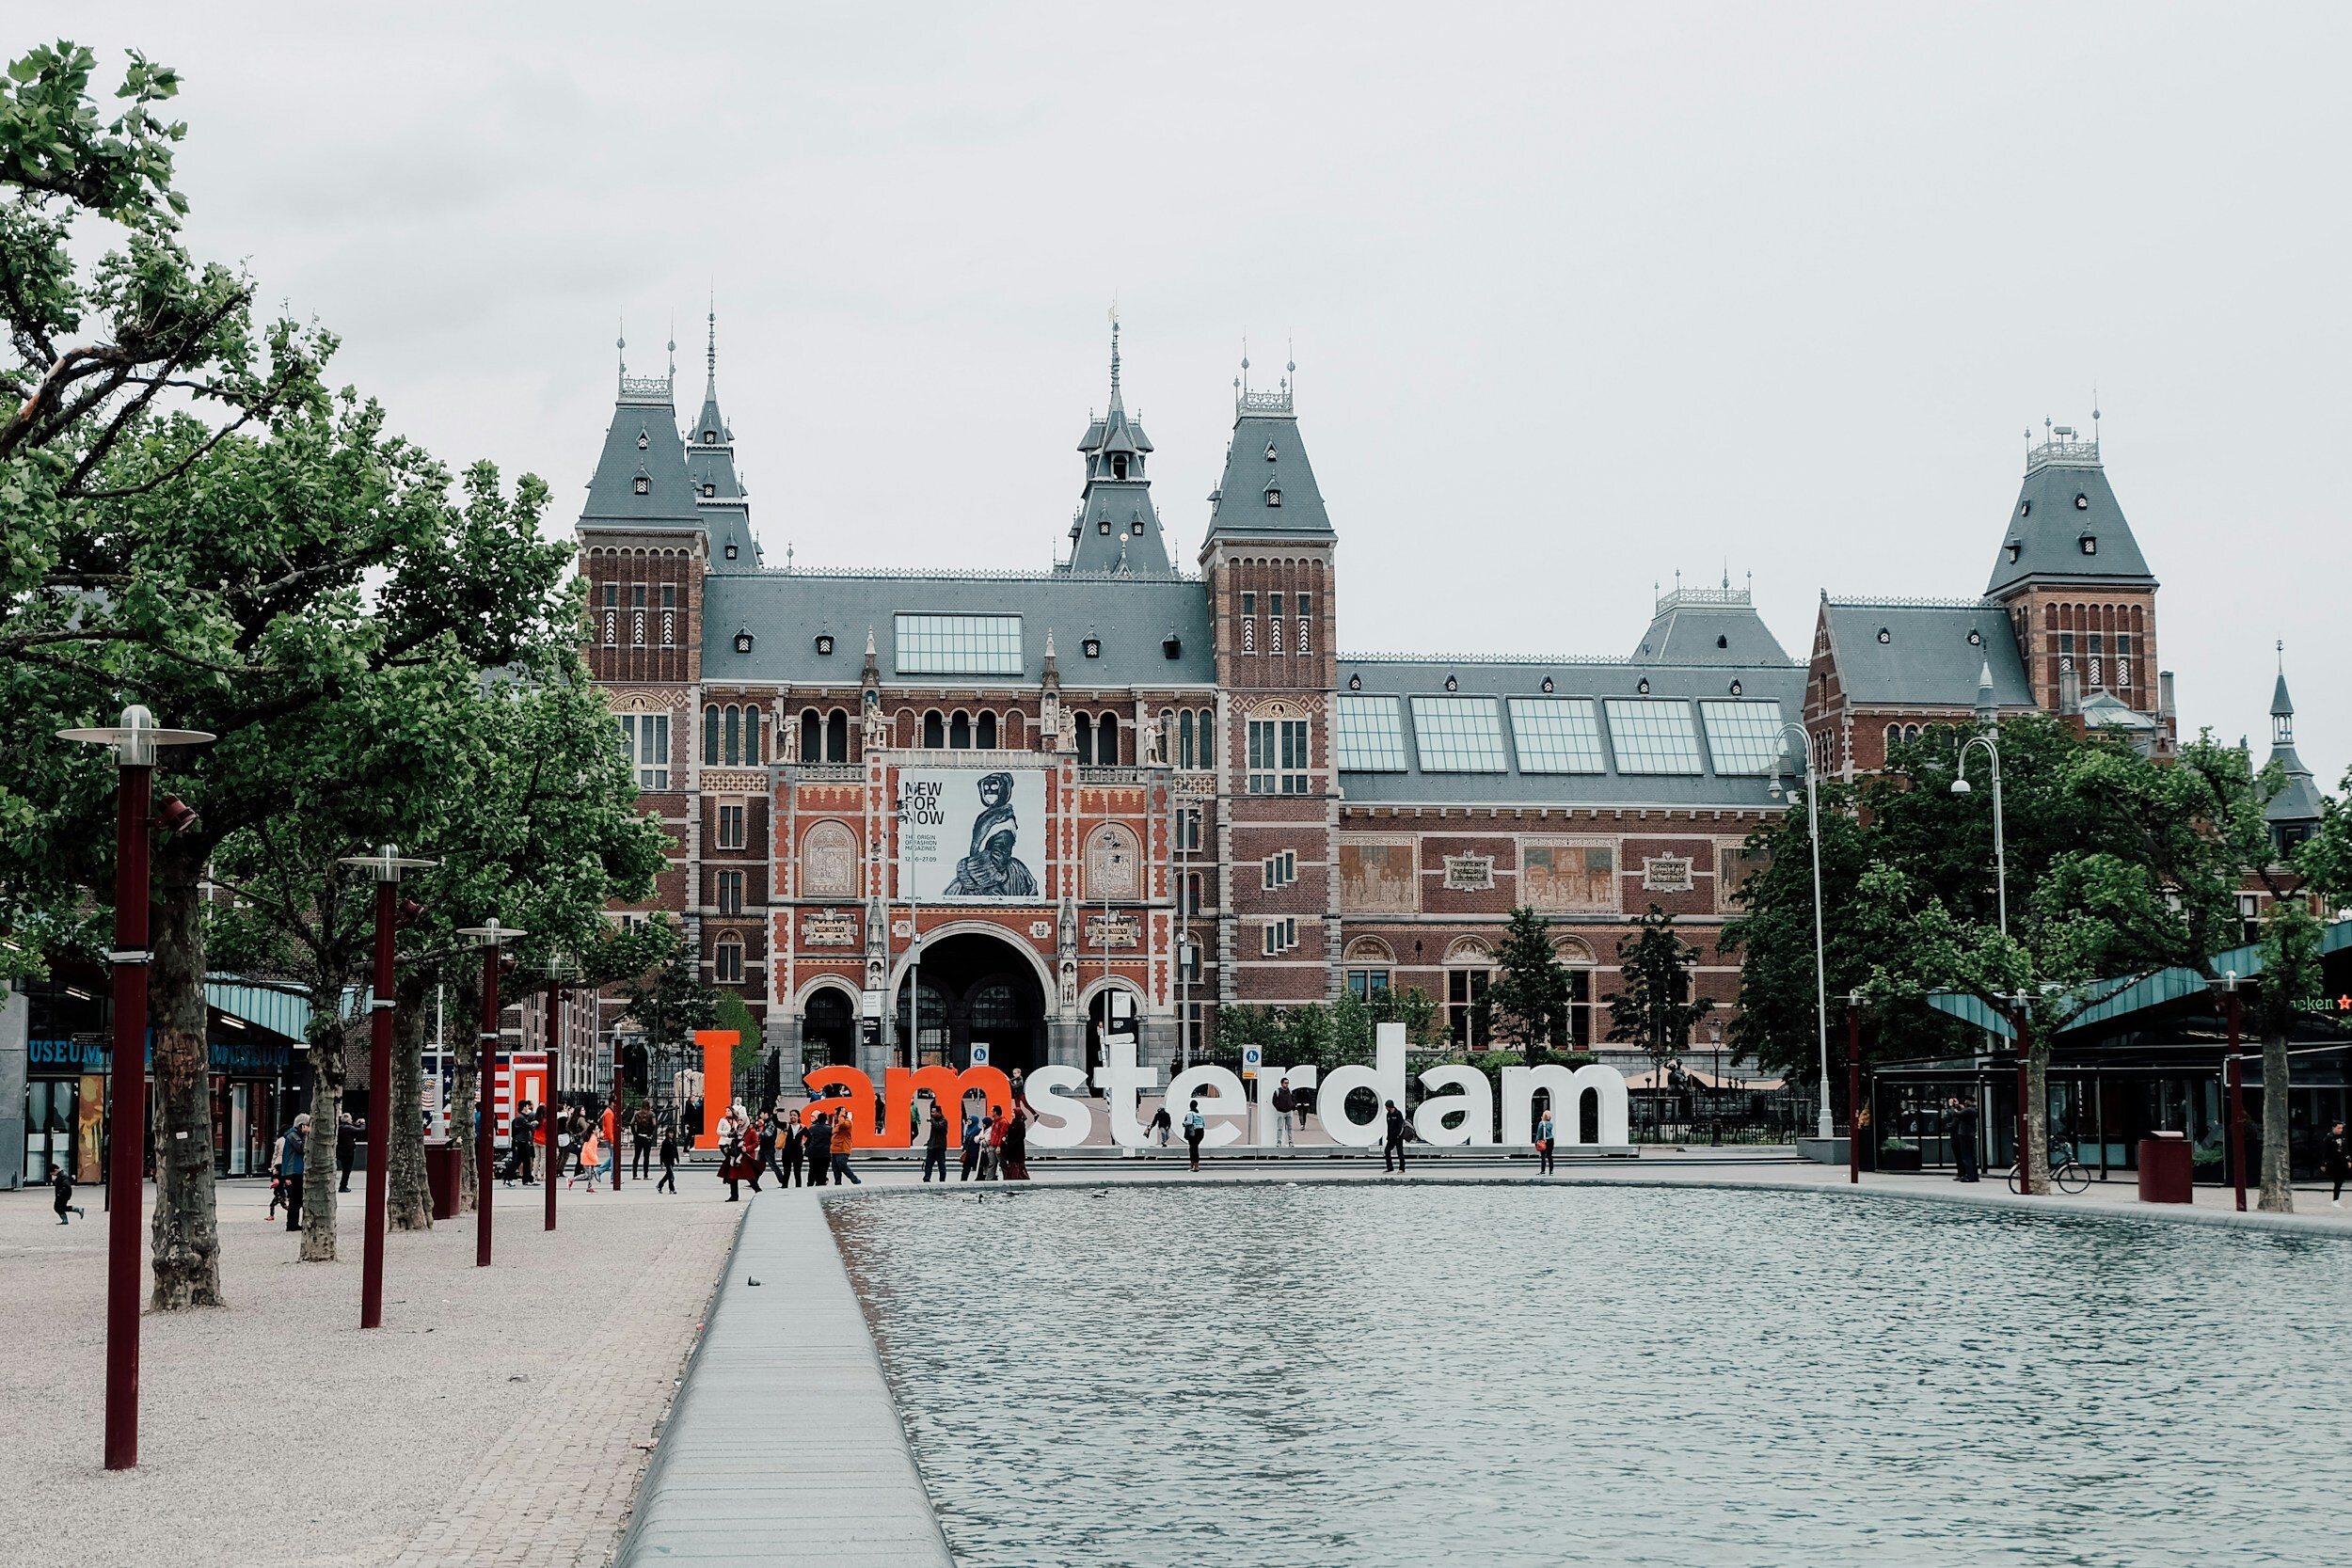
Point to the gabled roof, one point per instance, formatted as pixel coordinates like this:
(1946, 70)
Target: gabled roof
(2299, 799)
(1117, 529)
(2064, 500)
(1269, 487)
(1897, 654)
(642, 443)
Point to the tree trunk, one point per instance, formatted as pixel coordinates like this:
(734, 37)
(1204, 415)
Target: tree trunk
(464, 1007)
(2037, 1116)
(330, 1070)
(184, 1237)
(2278, 1165)
(409, 1197)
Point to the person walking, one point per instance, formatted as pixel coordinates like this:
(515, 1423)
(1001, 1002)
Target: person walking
(768, 1130)
(844, 1140)
(1283, 1105)
(579, 1138)
(668, 1162)
(591, 1159)
(62, 1185)
(975, 1130)
(1016, 1144)
(1392, 1146)
(1196, 1129)
(1162, 1123)
(1543, 1144)
(347, 1133)
(993, 1146)
(641, 1133)
(2335, 1162)
(820, 1145)
(935, 1143)
(519, 1133)
(1301, 1100)
(1962, 1125)
(290, 1153)
(731, 1132)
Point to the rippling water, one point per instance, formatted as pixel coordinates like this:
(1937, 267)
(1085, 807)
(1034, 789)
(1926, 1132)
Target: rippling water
(1282, 1375)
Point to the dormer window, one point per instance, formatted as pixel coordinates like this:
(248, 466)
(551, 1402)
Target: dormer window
(640, 484)
(2090, 544)
(2015, 547)
(1451, 683)
(1269, 451)
(743, 641)
(732, 550)
(824, 644)
(1091, 647)
(1137, 528)
(1118, 466)
(1355, 683)
(1885, 636)
(1102, 525)
(1273, 495)
(1642, 686)
(2024, 508)
(2082, 502)
(1735, 688)
(1976, 638)
(1172, 646)
(1722, 641)
(1546, 685)
(642, 440)
(710, 489)
(709, 437)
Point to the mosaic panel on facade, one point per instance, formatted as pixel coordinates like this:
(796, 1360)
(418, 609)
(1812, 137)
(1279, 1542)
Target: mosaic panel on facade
(829, 861)
(1565, 876)
(1380, 875)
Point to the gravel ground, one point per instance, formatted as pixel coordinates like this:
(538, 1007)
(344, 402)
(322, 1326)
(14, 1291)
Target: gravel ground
(501, 1414)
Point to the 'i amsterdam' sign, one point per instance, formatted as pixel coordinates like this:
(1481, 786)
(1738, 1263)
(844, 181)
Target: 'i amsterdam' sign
(1459, 1108)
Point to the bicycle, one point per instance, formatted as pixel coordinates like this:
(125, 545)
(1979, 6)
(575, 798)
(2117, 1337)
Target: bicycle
(2067, 1173)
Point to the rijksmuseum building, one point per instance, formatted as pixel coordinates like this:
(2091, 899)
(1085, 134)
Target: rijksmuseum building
(1127, 788)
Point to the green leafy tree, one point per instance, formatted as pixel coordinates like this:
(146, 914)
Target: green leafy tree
(1527, 1000)
(243, 556)
(1658, 1005)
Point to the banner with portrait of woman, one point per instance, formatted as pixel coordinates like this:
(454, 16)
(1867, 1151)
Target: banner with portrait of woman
(972, 835)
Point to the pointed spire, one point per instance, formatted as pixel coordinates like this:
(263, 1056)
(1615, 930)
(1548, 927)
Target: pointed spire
(1118, 407)
(710, 348)
(621, 346)
(1987, 708)
(2282, 706)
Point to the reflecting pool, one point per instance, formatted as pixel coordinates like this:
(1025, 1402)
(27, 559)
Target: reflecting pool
(1231, 1377)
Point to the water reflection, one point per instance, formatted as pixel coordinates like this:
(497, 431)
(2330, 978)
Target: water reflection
(1500, 1376)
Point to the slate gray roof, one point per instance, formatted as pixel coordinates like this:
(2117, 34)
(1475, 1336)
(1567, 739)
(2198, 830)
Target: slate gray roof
(2299, 799)
(2066, 497)
(1241, 510)
(785, 612)
(642, 442)
(1409, 677)
(1708, 626)
(1927, 660)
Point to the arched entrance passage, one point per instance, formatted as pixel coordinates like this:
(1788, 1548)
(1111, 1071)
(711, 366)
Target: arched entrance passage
(829, 1021)
(1098, 1013)
(975, 987)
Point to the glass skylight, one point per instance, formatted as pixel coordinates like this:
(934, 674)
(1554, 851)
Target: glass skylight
(1745, 738)
(1372, 735)
(1557, 734)
(959, 645)
(1459, 735)
(1653, 736)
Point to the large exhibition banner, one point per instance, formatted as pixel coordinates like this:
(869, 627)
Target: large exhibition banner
(971, 836)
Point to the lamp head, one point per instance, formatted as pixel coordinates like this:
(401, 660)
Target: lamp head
(1959, 786)
(176, 816)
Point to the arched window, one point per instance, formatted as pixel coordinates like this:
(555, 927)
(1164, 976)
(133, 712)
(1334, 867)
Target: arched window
(1086, 741)
(1183, 738)
(1106, 740)
(728, 969)
(837, 736)
(988, 732)
(812, 737)
(1911, 732)
(751, 738)
(735, 734)
(960, 731)
(1894, 736)
(1208, 738)
(710, 735)
(1014, 728)
(934, 730)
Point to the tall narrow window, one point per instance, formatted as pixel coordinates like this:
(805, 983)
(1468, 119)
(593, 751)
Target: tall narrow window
(645, 741)
(1302, 634)
(735, 736)
(985, 731)
(1107, 741)
(960, 732)
(812, 737)
(751, 738)
(1465, 989)
(1086, 741)
(1208, 738)
(730, 827)
(710, 735)
(1183, 738)
(612, 614)
(728, 967)
(730, 893)
(669, 615)
(837, 736)
(934, 730)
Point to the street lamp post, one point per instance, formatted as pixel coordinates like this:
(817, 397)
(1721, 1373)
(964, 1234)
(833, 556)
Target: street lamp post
(2233, 1068)
(1990, 739)
(133, 742)
(386, 865)
(1827, 1129)
(620, 1105)
(491, 936)
(1855, 1119)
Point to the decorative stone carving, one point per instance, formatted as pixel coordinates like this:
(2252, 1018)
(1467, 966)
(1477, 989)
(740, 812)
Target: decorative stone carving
(1114, 869)
(1667, 874)
(829, 929)
(829, 861)
(1470, 873)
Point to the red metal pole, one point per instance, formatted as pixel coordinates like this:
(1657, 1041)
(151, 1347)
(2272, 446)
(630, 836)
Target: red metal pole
(379, 1109)
(617, 1108)
(2025, 1121)
(1855, 1119)
(2237, 1108)
(487, 1110)
(126, 1165)
(547, 1095)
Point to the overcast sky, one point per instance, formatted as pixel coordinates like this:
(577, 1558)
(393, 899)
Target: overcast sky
(1581, 295)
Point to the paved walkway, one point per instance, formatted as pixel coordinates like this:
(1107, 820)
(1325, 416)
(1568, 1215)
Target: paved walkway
(501, 1415)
